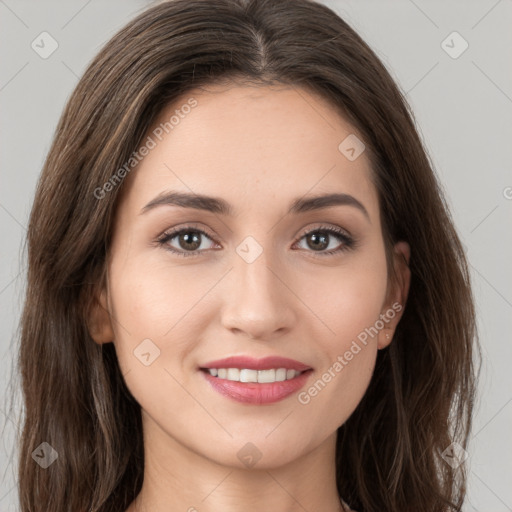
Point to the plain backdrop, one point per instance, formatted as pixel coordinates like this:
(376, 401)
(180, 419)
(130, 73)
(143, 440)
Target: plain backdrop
(462, 105)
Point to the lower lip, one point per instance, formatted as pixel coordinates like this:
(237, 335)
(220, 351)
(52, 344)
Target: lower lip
(254, 393)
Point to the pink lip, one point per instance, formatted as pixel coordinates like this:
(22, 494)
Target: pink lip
(254, 393)
(250, 363)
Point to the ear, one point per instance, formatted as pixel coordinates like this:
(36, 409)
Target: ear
(398, 290)
(98, 321)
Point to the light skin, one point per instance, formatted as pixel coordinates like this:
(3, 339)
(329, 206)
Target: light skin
(258, 149)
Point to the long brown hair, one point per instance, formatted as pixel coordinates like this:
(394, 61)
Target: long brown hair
(420, 400)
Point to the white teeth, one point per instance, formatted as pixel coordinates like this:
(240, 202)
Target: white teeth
(260, 376)
(281, 374)
(233, 374)
(248, 375)
(265, 376)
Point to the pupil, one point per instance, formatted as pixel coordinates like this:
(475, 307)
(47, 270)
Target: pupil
(186, 238)
(319, 241)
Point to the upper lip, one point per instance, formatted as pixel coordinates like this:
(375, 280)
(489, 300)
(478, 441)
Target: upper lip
(265, 363)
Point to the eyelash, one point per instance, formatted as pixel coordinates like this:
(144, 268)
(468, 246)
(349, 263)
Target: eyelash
(347, 241)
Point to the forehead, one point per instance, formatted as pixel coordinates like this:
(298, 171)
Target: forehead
(251, 145)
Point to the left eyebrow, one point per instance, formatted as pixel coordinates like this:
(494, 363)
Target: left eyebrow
(222, 207)
(324, 201)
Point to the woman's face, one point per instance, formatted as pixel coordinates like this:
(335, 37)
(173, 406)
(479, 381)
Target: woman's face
(262, 277)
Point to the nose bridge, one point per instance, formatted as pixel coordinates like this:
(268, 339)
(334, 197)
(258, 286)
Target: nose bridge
(258, 302)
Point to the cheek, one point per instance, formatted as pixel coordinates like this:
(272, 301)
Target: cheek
(158, 301)
(151, 297)
(348, 301)
(152, 330)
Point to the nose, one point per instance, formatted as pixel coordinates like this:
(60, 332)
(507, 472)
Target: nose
(259, 300)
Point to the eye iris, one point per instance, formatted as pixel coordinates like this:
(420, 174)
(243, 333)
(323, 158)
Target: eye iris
(185, 239)
(319, 240)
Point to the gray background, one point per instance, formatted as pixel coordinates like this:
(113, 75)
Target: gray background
(463, 110)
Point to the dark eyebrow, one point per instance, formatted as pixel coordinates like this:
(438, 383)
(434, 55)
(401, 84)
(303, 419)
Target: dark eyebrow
(220, 206)
(186, 200)
(324, 201)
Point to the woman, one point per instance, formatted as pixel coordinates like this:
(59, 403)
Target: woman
(245, 291)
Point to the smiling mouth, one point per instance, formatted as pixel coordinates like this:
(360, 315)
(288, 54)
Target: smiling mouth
(247, 375)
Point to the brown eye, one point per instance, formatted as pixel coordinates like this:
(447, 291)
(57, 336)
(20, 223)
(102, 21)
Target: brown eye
(317, 240)
(320, 239)
(189, 240)
(185, 241)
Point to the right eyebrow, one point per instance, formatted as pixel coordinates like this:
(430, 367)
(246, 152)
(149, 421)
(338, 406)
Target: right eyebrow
(187, 200)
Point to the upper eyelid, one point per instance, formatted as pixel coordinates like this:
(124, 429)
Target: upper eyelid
(173, 232)
(333, 228)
